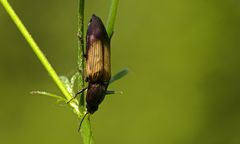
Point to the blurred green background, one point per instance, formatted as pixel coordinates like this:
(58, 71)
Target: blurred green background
(183, 86)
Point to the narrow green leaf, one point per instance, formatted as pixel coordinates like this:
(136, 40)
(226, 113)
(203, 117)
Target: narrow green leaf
(59, 98)
(119, 75)
(112, 17)
(86, 131)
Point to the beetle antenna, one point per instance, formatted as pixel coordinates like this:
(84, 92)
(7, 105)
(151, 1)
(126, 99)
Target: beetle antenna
(82, 121)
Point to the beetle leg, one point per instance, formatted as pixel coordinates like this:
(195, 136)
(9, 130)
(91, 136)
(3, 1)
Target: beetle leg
(86, 79)
(81, 91)
(113, 92)
(79, 37)
(110, 92)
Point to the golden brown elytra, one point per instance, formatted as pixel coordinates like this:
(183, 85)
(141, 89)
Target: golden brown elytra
(98, 65)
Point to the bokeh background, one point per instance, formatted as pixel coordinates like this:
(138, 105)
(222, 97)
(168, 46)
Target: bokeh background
(183, 86)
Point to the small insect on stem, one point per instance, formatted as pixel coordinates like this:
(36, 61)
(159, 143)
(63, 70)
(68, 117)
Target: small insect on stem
(98, 64)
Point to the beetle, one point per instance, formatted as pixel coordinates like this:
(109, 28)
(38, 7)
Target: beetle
(98, 65)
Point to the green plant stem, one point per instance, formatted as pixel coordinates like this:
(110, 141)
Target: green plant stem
(36, 50)
(112, 17)
(86, 131)
(80, 60)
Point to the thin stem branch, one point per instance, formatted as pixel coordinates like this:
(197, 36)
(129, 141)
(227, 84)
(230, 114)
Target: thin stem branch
(36, 50)
(112, 17)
